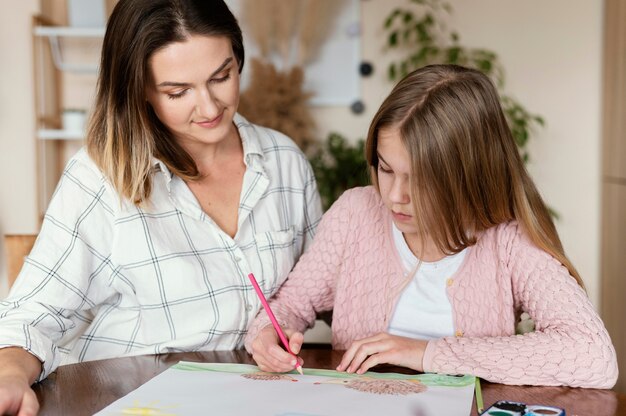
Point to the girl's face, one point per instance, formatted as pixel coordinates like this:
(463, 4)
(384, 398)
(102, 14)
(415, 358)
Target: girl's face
(194, 89)
(394, 172)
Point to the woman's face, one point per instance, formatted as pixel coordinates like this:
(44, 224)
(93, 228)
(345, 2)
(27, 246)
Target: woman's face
(394, 172)
(194, 89)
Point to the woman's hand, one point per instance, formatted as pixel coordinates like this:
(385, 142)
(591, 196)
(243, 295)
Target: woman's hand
(18, 369)
(16, 397)
(383, 349)
(268, 354)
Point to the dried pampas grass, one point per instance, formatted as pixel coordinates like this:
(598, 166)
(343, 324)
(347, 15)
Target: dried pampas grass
(285, 18)
(317, 17)
(258, 18)
(276, 99)
(275, 25)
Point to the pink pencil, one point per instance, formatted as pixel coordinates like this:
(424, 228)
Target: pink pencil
(277, 327)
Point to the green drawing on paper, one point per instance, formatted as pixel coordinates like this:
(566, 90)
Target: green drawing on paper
(425, 379)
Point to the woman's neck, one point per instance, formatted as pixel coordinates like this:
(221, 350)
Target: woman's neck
(210, 156)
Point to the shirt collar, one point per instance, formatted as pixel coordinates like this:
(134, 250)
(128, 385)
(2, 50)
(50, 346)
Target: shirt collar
(249, 140)
(252, 149)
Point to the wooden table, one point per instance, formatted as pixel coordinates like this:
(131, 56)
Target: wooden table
(85, 388)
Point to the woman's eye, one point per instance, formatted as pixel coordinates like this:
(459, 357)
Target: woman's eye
(221, 79)
(174, 96)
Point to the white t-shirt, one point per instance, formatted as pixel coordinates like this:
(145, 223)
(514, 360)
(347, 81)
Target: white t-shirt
(423, 310)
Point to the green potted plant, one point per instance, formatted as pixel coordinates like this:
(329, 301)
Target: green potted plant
(338, 165)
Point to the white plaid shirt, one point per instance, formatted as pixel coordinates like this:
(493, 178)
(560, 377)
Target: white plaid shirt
(108, 279)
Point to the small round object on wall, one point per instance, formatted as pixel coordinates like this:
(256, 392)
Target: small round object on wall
(353, 30)
(366, 69)
(357, 107)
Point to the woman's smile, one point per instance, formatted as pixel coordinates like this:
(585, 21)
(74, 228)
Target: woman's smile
(209, 124)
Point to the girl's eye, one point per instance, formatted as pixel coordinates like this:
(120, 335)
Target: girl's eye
(176, 95)
(383, 169)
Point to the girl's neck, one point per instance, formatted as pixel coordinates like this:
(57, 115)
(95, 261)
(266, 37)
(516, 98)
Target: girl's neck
(423, 248)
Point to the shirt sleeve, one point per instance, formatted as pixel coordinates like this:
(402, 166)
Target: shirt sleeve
(570, 345)
(312, 206)
(310, 287)
(67, 273)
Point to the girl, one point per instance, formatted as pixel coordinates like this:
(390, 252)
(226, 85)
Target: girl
(430, 268)
(151, 233)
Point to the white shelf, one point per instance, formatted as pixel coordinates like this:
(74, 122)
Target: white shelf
(69, 32)
(51, 134)
(53, 33)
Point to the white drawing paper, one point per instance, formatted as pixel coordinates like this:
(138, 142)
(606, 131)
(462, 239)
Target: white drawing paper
(238, 389)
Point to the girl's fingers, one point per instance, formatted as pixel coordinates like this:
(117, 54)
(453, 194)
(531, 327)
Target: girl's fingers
(295, 342)
(362, 353)
(280, 355)
(262, 355)
(273, 366)
(349, 355)
(269, 354)
(372, 361)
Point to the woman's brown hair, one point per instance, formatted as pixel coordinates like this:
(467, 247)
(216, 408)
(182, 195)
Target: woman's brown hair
(466, 172)
(124, 134)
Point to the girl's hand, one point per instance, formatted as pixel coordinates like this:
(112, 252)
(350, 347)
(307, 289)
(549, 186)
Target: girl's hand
(383, 349)
(269, 355)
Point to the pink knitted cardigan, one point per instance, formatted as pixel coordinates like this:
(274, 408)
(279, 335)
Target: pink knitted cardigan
(353, 268)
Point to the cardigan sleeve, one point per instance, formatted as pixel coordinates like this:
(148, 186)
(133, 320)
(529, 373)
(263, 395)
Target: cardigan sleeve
(570, 345)
(310, 287)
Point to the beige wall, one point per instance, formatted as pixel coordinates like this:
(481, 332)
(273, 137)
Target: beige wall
(18, 206)
(551, 52)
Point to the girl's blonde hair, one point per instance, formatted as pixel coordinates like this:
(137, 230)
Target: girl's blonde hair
(466, 172)
(124, 134)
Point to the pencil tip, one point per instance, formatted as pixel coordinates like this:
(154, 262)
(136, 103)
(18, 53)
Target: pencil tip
(299, 369)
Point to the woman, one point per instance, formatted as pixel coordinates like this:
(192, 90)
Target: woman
(151, 233)
(431, 268)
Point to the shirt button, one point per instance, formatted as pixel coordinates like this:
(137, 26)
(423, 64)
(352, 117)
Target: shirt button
(449, 282)
(237, 258)
(459, 333)
(248, 307)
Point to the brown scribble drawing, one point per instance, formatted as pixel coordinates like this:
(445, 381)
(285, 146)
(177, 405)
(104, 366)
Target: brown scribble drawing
(268, 376)
(380, 386)
(397, 387)
(364, 384)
